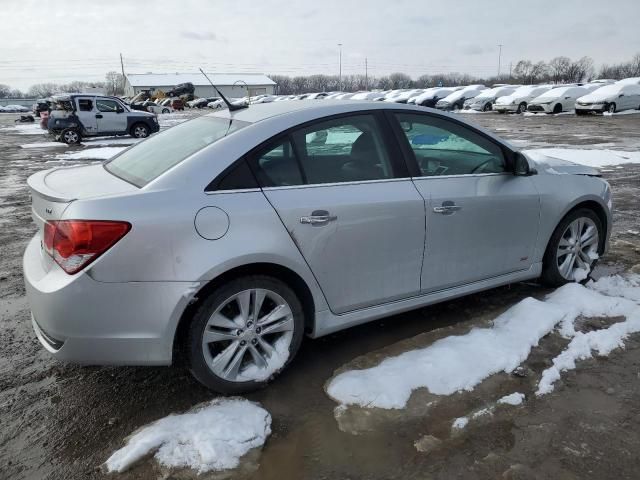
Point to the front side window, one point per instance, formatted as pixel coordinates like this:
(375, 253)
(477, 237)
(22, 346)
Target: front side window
(345, 149)
(147, 160)
(442, 147)
(107, 105)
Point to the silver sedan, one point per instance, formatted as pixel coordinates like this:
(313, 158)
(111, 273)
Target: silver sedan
(231, 236)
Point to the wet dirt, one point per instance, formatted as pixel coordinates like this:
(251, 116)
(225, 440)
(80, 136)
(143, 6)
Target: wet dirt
(63, 421)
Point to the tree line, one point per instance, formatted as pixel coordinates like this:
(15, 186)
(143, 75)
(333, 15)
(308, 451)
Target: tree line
(557, 70)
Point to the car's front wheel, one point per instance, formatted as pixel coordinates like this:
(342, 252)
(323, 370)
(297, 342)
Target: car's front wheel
(165, 110)
(140, 130)
(573, 249)
(244, 333)
(612, 108)
(522, 108)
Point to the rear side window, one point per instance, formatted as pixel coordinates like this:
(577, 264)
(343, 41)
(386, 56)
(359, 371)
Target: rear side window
(147, 160)
(345, 149)
(85, 105)
(277, 165)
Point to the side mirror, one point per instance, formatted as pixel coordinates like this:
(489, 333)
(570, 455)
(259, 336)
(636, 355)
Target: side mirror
(521, 166)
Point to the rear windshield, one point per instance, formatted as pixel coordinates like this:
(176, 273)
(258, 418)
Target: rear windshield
(149, 159)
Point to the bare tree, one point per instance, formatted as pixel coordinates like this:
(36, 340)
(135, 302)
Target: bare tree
(114, 83)
(41, 90)
(5, 90)
(558, 68)
(400, 80)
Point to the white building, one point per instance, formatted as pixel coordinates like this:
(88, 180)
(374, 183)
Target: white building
(232, 85)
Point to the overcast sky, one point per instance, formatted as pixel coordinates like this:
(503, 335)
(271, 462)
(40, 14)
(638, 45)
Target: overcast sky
(46, 41)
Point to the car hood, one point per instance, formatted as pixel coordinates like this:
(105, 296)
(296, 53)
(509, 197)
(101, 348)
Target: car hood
(557, 166)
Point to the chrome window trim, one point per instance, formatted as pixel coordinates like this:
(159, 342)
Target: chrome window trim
(430, 177)
(337, 184)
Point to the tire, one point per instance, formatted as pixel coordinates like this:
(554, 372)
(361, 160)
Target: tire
(557, 108)
(487, 107)
(522, 108)
(139, 130)
(228, 335)
(561, 240)
(71, 136)
(165, 110)
(611, 108)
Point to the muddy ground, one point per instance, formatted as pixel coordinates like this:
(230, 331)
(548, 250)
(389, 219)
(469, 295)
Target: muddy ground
(63, 421)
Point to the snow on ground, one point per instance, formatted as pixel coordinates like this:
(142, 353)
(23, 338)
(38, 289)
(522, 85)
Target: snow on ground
(44, 145)
(26, 129)
(459, 423)
(590, 158)
(105, 141)
(624, 112)
(461, 362)
(516, 398)
(212, 436)
(102, 153)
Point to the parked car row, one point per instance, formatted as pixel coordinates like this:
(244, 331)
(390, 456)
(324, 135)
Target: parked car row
(604, 95)
(13, 109)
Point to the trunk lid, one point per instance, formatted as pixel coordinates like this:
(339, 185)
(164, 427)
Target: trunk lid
(52, 191)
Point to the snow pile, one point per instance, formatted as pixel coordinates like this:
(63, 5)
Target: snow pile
(44, 145)
(28, 129)
(453, 363)
(102, 153)
(590, 158)
(459, 423)
(516, 398)
(461, 362)
(278, 358)
(212, 436)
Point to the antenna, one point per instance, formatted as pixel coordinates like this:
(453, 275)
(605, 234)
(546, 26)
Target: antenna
(230, 105)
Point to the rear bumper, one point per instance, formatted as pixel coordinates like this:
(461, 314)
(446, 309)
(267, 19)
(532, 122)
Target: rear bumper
(81, 320)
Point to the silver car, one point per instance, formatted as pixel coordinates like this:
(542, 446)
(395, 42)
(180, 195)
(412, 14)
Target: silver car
(229, 237)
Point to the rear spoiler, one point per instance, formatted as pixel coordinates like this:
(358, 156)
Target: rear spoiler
(38, 185)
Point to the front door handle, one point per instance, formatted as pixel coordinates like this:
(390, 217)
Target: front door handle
(447, 208)
(98, 115)
(318, 217)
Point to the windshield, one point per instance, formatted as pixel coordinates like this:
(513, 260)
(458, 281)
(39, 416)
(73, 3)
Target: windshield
(149, 159)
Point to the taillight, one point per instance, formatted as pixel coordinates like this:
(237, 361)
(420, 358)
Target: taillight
(74, 244)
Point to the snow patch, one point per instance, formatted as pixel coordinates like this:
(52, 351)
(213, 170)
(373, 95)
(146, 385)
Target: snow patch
(459, 423)
(212, 436)
(516, 398)
(102, 153)
(453, 363)
(44, 145)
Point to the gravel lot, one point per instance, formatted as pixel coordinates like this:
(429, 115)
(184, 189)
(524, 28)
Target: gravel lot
(63, 421)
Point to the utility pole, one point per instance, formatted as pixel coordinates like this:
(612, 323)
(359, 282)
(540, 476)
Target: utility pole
(340, 68)
(124, 82)
(366, 74)
(510, 66)
(499, 58)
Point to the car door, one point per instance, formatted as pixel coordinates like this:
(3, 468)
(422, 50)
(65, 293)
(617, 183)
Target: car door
(481, 220)
(111, 116)
(350, 207)
(86, 113)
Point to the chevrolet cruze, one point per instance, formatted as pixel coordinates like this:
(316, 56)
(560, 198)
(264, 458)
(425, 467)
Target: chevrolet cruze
(228, 238)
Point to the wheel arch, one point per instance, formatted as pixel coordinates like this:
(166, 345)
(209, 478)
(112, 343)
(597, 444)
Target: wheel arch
(589, 204)
(291, 278)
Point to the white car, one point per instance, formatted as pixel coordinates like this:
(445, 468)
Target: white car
(153, 107)
(403, 97)
(367, 96)
(431, 96)
(612, 98)
(517, 102)
(483, 102)
(217, 104)
(455, 100)
(629, 81)
(15, 109)
(561, 99)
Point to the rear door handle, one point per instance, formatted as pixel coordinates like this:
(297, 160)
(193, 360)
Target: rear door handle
(318, 217)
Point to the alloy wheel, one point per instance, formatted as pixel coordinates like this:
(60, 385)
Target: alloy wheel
(248, 336)
(71, 137)
(140, 132)
(577, 248)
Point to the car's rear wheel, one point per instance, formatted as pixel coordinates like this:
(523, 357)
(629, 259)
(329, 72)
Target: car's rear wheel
(165, 110)
(487, 107)
(140, 130)
(244, 334)
(70, 136)
(612, 108)
(573, 249)
(522, 108)
(557, 108)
